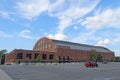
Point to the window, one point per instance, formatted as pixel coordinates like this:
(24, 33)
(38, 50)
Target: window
(43, 44)
(44, 56)
(49, 45)
(50, 56)
(28, 56)
(68, 58)
(19, 55)
(59, 57)
(35, 56)
(63, 58)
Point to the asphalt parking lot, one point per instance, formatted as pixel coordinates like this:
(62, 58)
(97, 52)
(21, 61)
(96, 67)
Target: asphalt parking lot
(69, 71)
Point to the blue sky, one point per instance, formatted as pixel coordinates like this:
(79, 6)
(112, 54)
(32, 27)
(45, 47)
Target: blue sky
(94, 22)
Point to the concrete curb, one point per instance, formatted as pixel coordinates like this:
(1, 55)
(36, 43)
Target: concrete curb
(4, 76)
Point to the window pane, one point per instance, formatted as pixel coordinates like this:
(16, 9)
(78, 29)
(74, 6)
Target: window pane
(35, 56)
(19, 55)
(28, 56)
(44, 56)
(50, 56)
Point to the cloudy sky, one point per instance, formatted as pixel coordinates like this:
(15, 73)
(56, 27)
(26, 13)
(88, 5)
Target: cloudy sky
(93, 22)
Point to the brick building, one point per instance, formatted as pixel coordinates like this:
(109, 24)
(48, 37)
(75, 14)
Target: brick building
(49, 49)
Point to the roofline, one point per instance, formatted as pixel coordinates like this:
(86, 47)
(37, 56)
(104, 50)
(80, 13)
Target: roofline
(82, 44)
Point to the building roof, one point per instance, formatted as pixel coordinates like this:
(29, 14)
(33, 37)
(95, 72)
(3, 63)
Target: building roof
(78, 46)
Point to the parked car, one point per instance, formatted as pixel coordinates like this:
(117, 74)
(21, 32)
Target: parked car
(91, 64)
(105, 62)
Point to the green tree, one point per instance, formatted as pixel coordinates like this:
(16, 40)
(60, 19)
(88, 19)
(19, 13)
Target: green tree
(54, 60)
(2, 55)
(84, 59)
(99, 57)
(38, 58)
(117, 59)
(114, 59)
(16, 61)
(51, 60)
(93, 55)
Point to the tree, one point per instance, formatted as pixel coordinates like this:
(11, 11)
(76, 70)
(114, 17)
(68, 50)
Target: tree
(2, 55)
(3, 59)
(113, 60)
(117, 59)
(84, 59)
(54, 60)
(16, 61)
(93, 55)
(38, 59)
(99, 57)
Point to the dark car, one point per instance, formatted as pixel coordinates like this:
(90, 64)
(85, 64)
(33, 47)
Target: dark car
(91, 64)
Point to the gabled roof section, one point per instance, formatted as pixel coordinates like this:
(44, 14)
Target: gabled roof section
(78, 46)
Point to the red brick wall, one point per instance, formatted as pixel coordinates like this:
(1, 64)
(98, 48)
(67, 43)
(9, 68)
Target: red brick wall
(46, 40)
(12, 56)
(75, 55)
(81, 55)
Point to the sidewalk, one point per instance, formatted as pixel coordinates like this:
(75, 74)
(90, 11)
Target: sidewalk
(4, 76)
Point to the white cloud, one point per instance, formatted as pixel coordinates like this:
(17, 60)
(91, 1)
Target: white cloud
(63, 24)
(69, 11)
(85, 37)
(4, 35)
(115, 44)
(90, 37)
(106, 18)
(4, 14)
(72, 8)
(25, 34)
(27, 24)
(75, 27)
(30, 9)
(103, 42)
(117, 52)
(117, 38)
(58, 36)
(57, 4)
